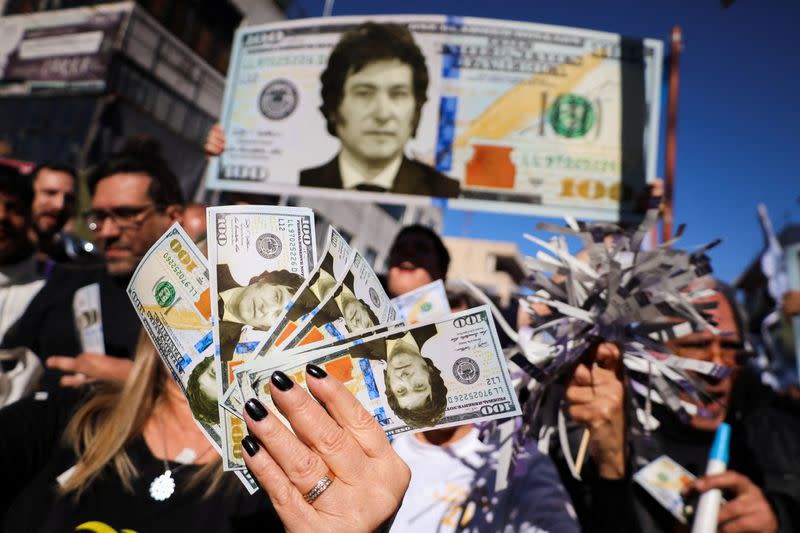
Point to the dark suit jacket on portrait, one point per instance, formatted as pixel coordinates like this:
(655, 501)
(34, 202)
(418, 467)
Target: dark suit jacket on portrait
(412, 177)
(229, 331)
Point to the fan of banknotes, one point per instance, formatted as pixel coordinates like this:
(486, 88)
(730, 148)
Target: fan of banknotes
(263, 302)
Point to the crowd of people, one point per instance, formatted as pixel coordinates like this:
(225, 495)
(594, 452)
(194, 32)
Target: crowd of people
(83, 437)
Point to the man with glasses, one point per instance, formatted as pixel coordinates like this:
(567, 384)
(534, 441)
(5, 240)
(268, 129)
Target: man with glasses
(135, 198)
(762, 484)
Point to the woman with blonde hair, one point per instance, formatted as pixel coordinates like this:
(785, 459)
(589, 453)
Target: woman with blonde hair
(120, 439)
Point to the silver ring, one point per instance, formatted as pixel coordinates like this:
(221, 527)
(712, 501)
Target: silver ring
(319, 488)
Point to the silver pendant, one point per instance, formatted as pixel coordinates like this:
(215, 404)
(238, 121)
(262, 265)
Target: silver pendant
(162, 487)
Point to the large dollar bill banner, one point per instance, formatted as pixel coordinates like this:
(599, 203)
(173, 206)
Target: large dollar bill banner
(259, 257)
(517, 117)
(170, 290)
(441, 374)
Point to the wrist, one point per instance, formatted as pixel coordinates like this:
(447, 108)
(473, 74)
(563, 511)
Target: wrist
(610, 464)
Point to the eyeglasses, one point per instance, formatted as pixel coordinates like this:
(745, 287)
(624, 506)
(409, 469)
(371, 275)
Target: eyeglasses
(729, 348)
(125, 217)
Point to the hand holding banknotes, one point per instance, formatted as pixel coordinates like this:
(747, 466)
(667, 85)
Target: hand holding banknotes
(87, 367)
(596, 396)
(747, 510)
(337, 471)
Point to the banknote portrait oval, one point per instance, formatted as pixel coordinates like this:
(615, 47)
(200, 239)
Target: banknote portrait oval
(164, 293)
(572, 116)
(278, 99)
(374, 298)
(269, 245)
(466, 370)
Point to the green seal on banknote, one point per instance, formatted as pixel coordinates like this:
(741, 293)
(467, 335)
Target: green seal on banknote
(164, 293)
(572, 116)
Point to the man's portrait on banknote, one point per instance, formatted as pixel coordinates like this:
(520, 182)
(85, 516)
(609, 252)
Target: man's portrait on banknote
(323, 281)
(373, 91)
(415, 390)
(357, 314)
(258, 304)
(201, 392)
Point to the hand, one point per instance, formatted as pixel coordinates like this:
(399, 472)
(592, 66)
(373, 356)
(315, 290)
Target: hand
(747, 511)
(596, 395)
(87, 367)
(215, 142)
(790, 304)
(340, 440)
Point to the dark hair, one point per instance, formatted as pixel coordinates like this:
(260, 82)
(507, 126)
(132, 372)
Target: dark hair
(432, 411)
(203, 406)
(365, 44)
(739, 317)
(423, 248)
(13, 183)
(55, 166)
(461, 298)
(279, 277)
(331, 310)
(142, 155)
(304, 302)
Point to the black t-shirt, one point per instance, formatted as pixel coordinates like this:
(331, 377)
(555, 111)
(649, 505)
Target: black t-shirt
(32, 456)
(48, 325)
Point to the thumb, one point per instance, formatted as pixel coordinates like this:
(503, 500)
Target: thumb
(609, 356)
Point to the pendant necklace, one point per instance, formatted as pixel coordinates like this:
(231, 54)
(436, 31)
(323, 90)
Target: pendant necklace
(163, 486)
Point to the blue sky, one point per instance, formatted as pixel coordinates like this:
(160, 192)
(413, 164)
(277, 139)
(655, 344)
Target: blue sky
(738, 119)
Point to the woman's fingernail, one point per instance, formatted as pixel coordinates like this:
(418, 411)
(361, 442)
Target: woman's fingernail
(315, 371)
(250, 445)
(255, 409)
(281, 380)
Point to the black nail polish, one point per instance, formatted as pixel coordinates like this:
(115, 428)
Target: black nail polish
(281, 380)
(315, 371)
(255, 410)
(250, 445)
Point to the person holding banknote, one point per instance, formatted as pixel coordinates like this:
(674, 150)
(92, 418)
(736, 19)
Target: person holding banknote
(373, 90)
(119, 439)
(761, 484)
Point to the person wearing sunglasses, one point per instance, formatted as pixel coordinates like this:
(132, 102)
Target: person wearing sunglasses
(135, 198)
(762, 484)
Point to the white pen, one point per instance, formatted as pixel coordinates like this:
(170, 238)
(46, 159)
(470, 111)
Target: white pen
(705, 519)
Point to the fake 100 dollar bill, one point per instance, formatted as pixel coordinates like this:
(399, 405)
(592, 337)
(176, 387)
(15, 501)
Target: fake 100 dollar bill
(258, 257)
(170, 291)
(441, 374)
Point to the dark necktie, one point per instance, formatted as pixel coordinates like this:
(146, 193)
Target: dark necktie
(369, 187)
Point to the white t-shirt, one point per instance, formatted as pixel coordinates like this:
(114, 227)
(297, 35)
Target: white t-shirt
(455, 484)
